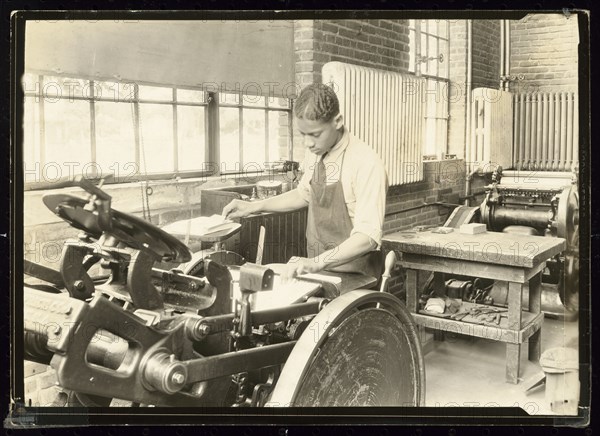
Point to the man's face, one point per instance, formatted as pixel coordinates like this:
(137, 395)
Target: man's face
(318, 136)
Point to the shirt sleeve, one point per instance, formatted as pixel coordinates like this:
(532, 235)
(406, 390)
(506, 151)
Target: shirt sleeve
(370, 189)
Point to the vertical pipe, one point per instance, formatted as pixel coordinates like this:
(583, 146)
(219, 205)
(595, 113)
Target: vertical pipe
(368, 114)
(385, 146)
(176, 129)
(528, 129)
(468, 128)
(539, 144)
(557, 117)
(410, 116)
(507, 53)
(502, 61)
(359, 107)
(569, 156)
(521, 132)
(352, 98)
(420, 126)
(93, 157)
(532, 148)
(575, 130)
(481, 116)
(393, 175)
(515, 141)
(563, 130)
(551, 130)
(543, 164)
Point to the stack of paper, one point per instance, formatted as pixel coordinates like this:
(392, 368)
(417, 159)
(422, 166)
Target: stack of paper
(283, 294)
(202, 225)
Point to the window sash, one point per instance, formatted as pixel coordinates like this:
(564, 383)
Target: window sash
(117, 93)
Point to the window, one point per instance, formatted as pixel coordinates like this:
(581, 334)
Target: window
(249, 130)
(132, 131)
(429, 42)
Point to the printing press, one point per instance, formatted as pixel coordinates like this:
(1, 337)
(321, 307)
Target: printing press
(536, 204)
(215, 331)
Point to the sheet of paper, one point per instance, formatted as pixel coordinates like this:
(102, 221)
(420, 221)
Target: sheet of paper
(199, 226)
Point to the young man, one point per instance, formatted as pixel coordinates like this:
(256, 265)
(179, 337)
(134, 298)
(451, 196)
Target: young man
(344, 185)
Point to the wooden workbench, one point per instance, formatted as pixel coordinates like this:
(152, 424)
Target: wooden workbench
(516, 259)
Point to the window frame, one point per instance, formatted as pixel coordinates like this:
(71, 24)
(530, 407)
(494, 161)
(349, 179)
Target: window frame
(211, 127)
(419, 57)
(266, 109)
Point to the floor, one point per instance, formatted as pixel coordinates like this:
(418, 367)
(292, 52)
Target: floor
(469, 372)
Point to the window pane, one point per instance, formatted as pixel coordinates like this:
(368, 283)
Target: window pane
(115, 140)
(190, 137)
(229, 98)
(424, 52)
(411, 51)
(443, 28)
(229, 139)
(31, 140)
(68, 88)
(430, 137)
(443, 67)
(190, 96)
(279, 102)
(432, 27)
(254, 139)
(157, 93)
(433, 52)
(115, 91)
(67, 133)
(253, 100)
(278, 135)
(156, 140)
(436, 122)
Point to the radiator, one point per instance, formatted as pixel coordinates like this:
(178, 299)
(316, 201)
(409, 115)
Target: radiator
(546, 134)
(385, 110)
(490, 142)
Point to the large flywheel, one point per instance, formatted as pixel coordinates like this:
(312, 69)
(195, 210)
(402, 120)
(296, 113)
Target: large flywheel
(362, 349)
(568, 228)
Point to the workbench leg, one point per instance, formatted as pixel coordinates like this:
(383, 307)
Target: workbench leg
(513, 362)
(412, 291)
(513, 351)
(535, 306)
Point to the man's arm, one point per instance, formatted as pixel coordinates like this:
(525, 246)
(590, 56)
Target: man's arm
(288, 201)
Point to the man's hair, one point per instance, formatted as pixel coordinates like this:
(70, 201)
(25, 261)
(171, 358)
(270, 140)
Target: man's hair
(317, 102)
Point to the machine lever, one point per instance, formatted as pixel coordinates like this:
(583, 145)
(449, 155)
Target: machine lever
(390, 261)
(261, 245)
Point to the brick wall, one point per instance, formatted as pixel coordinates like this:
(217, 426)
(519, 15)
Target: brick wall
(486, 53)
(443, 181)
(544, 50)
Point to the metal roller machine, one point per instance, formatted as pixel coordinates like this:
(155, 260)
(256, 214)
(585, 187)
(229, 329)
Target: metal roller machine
(543, 204)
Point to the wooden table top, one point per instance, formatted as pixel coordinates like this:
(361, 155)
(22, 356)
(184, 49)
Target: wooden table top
(489, 247)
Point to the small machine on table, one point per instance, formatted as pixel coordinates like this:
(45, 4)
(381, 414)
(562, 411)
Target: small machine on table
(516, 259)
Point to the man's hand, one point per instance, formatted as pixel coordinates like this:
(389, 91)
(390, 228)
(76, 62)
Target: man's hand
(238, 209)
(301, 265)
